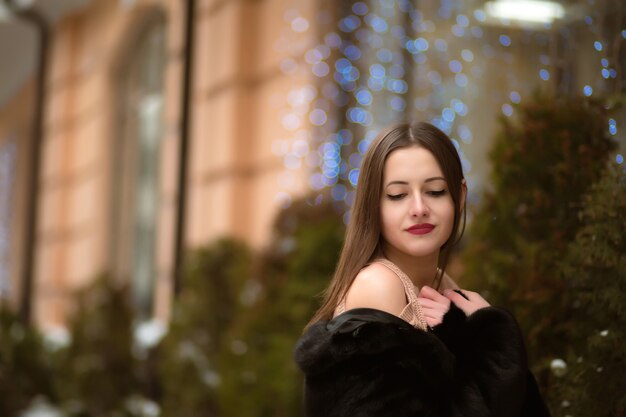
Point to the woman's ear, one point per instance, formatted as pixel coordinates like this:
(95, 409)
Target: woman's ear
(463, 194)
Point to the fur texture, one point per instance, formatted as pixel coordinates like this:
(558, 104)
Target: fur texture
(368, 363)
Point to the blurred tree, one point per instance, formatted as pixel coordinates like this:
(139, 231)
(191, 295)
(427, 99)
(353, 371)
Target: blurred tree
(234, 326)
(595, 269)
(542, 163)
(203, 314)
(25, 370)
(260, 377)
(96, 375)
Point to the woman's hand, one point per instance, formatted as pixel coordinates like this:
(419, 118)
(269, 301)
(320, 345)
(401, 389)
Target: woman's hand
(434, 305)
(473, 302)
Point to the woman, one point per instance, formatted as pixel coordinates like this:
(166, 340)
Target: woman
(394, 335)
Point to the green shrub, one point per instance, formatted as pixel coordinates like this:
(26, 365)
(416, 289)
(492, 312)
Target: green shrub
(234, 325)
(595, 268)
(25, 370)
(202, 316)
(542, 163)
(97, 374)
(228, 351)
(258, 355)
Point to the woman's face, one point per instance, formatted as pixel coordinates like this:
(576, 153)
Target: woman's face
(417, 211)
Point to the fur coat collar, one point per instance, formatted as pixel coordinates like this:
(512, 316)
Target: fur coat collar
(369, 363)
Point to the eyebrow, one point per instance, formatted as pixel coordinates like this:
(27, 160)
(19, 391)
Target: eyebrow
(406, 183)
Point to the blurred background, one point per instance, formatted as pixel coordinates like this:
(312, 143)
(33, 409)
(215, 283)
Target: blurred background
(175, 178)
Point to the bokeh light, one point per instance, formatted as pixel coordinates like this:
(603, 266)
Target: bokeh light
(385, 61)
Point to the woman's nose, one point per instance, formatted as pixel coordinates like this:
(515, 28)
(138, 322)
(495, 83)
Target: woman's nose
(418, 207)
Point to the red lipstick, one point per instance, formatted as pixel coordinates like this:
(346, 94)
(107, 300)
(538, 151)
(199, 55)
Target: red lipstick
(420, 229)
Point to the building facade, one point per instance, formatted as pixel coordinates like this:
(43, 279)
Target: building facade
(108, 196)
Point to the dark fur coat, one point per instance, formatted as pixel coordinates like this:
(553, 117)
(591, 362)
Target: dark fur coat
(368, 363)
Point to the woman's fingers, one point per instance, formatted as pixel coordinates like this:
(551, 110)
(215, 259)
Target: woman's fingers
(426, 303)
(458, 299)
(432, 294)
(437, 310)
(432, 321)
(476, 298)
(434, 305)
(474, 302)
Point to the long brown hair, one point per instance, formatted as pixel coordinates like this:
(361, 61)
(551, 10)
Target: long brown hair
(363, 241)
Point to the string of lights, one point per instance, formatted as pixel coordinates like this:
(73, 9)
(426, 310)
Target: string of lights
(458, 65)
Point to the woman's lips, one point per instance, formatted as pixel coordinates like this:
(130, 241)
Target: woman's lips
(421, 229)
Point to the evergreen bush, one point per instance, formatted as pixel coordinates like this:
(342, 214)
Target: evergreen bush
(234, 325)
(97, 374)
(543, 161)
(25, 368)
(203, 314)
(260, 375)
(595, 268)
(228, 351)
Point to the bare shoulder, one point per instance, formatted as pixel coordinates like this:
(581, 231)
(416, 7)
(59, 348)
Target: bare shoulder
(376, 286)
(447, 283)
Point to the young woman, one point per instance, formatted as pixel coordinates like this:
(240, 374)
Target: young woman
(395, 336)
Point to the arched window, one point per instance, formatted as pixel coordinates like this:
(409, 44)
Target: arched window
(136, 188)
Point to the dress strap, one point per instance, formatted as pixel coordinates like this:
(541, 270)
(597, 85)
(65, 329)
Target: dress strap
(409, 289)
(412, 313)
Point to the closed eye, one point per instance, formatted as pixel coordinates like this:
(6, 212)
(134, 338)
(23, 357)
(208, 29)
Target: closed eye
(437, 193)
(394, 197)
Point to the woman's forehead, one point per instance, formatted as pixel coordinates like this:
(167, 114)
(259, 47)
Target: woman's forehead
(413, 162)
